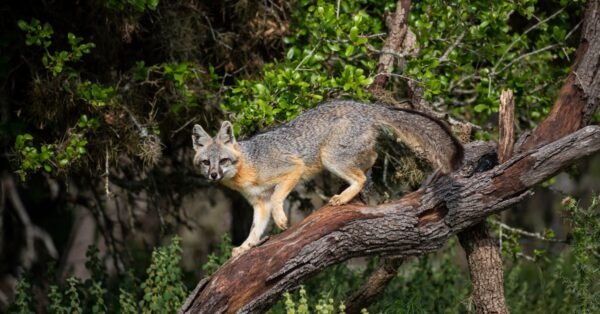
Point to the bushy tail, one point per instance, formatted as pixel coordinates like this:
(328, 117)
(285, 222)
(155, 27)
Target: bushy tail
(427, 135)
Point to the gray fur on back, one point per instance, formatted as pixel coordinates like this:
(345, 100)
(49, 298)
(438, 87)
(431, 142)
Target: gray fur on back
(350, 126)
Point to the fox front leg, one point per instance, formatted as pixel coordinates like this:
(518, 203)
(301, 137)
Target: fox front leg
(282, 190)
(262, 214)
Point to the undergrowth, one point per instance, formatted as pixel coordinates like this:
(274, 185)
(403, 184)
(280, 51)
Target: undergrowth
(568, 282)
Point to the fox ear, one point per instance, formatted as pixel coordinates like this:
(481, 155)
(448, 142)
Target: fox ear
(225, 135)
(199, 137)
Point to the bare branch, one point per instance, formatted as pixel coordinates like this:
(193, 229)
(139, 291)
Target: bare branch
(527, 55)
(31, 231)
(460, 37)
(512, 44)
(524, 233)
(377, 281)
(398, 28)
(506, 125)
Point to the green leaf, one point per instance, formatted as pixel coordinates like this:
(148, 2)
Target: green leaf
(22, 25)
(354, 33)
(349, 51)
(481, 107)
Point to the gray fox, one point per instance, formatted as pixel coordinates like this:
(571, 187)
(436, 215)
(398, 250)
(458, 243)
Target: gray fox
(339, 136)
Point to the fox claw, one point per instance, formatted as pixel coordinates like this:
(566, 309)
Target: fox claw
(282, 224)
(280, 220)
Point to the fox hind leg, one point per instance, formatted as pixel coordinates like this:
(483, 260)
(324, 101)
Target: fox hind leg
(356, 178)
(352, 172)
(349, 152)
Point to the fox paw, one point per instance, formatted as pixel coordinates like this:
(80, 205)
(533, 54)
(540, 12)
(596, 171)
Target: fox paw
(280, 219)
(237, 251)
(337, 200)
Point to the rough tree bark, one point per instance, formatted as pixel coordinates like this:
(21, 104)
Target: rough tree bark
(392, 47)
(485, 268)
(423, 221)
(580, 94)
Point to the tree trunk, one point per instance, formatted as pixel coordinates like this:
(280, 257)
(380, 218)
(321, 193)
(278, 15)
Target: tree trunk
(485, 267)
(483, 256)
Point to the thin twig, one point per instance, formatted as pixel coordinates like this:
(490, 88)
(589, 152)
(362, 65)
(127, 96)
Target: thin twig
(107, 174)
(444, 57)
(194, 119)
(529, 54)
(397, 75)
(310, 54)
(573, 30)
(525, 233)
(143, 130)
(524, 33)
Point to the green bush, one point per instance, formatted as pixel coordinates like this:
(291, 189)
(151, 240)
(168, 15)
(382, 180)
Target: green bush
(162, 290)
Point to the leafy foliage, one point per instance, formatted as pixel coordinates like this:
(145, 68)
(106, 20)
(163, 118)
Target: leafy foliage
(163, 288)
(161, 292)
(218, 258)
(323, 306)
(55, 62)
(137, 5)
(23, 300)
(327, 57)
(51, 157)
(471, 50)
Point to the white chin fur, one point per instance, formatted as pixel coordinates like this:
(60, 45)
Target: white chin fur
(228, 174)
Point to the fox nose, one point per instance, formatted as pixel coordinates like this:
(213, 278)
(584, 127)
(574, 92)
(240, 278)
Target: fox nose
(213, 175)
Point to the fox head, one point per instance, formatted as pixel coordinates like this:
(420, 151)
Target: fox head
(216, 157)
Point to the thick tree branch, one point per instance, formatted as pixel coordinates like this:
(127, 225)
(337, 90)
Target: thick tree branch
(485, 268)
(580, 94)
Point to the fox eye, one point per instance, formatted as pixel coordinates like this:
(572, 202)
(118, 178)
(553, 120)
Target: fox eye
(206, 162)
(224, 161)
